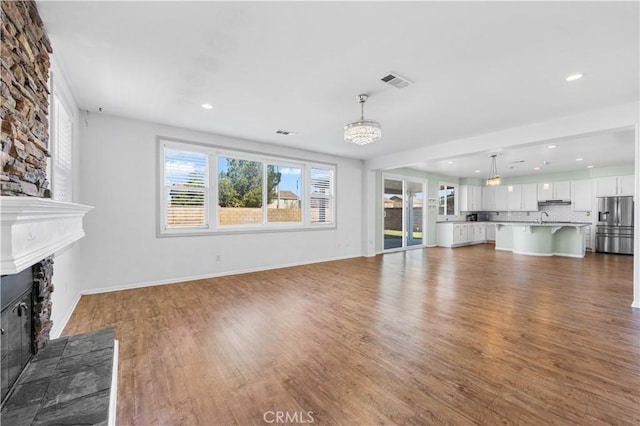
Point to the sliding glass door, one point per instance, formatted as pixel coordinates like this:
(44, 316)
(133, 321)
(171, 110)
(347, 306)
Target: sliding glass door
(403, 213)
(415, 213)
(393, 200)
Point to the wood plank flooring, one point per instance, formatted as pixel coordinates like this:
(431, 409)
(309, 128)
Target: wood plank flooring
(435, 336)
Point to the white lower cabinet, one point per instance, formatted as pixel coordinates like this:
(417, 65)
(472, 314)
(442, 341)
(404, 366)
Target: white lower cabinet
(460, 233)
(480, 234)
(451, 234)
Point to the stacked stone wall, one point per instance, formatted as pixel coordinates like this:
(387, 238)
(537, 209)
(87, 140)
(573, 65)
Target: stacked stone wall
(24, 73)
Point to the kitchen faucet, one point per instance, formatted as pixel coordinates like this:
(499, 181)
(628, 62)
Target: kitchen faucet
(541, 213)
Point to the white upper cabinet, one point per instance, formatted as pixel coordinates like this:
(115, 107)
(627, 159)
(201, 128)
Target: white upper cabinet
(470, 198)
(477, 198)
(501, 198)
(463, 200)
(554, 191)
(615, 185)
(530, 197)
(606, 186)
(581, 195)
(514, 198)
(562, 191)
(522, 197)
(626, 185)
(489, 198)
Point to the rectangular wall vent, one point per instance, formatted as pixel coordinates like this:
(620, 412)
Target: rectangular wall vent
(396, 80)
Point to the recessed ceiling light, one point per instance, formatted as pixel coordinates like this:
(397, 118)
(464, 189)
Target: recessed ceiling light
(476, 171)
(450, 162)
(578, 159)
(590, 167)
(536, 168)
(552, 146)
(207, 106)
(574, 77)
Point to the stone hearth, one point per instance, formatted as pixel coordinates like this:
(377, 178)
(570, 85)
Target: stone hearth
(70, 381)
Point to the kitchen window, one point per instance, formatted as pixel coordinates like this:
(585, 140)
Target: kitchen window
(208, 190)
(447, 199)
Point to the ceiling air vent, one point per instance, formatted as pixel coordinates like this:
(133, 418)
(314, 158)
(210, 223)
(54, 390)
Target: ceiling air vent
(396, 81)
(285, 132)
(512, 164)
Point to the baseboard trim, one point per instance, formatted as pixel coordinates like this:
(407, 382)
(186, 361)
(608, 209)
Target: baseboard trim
(67, 317)
(635, 305)
(532, 254)
(179, 280)
(576, 256)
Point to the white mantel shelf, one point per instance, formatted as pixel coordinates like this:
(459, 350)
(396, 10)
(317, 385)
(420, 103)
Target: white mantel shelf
(35, 228)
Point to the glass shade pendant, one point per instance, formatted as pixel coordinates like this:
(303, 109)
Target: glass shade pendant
(363, 131)
(493, 179)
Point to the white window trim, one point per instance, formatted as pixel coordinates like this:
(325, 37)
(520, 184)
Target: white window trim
(60, 178)
(162, 212)
(455, 200)
(211, 204)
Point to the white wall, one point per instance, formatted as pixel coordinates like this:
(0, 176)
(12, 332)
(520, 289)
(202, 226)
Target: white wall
(118, 175)
(66, 283)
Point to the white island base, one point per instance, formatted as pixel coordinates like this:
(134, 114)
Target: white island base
(541, 239)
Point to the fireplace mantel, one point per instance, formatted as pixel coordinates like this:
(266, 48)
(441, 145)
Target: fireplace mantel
(35, 228)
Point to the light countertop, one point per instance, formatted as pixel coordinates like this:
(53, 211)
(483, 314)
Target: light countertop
(555, 224)
(520, 223)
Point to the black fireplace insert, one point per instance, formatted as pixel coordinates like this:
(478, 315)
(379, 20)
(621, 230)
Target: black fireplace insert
(16, 325)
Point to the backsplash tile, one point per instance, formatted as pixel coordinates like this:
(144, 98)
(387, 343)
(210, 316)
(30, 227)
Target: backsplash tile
(557, 213)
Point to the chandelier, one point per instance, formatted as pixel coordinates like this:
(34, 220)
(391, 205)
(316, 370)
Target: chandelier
(363, 131)
(493, 178)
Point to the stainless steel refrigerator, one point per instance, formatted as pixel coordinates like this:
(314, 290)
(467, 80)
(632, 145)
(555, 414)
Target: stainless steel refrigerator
(614, 231)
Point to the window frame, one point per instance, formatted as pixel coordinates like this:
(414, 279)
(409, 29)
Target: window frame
(162, 212)
(455, 187)
(211, 195)
(331, 196)
(60, 175)
(303, 203)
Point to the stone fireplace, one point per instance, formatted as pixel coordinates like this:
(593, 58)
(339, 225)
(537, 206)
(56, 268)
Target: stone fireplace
(25, 307)
(33, 227)
(33, 230)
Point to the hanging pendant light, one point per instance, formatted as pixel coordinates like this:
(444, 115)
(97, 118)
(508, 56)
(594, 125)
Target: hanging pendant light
(362, 132)
(493, 178)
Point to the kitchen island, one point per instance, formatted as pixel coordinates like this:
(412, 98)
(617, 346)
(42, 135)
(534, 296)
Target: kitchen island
(541, 239)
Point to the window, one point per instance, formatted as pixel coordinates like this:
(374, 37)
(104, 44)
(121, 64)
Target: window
(321, 195)
(62, 151)
(185, 188)
(284, 204)
(447, 199)
(248, 191)
(240, 194)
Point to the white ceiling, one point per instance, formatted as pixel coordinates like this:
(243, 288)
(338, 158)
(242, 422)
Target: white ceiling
(610, 149)
(477, 67)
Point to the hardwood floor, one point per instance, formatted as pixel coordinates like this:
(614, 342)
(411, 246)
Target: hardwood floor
(435, 336)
